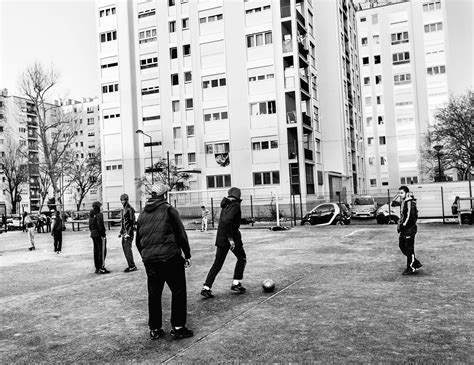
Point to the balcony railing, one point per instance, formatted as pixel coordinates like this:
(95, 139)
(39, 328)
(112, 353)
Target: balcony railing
(300, 17)
(306, 119)
(291, 117)
(287, 45)
(308, 154)
(285, 11)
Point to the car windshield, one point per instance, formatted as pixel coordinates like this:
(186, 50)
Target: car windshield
(363, 201)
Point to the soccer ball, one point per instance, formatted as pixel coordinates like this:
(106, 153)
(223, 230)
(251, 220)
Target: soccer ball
(268, 285)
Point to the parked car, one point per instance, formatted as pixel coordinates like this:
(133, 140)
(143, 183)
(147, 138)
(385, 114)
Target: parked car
(115, 214)
(14, 223)
(385, 215)
(364, 206)
(327, 214)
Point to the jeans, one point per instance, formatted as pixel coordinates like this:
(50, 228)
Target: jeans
(172, 273)
(221, 254)
(127, 250)
(31, 235)
(100, 251)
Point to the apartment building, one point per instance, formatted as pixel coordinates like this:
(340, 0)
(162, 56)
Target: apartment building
(340, 97)
(229, 89)
(18, 127)
(413, 54)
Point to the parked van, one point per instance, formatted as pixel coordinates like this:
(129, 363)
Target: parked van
(363, 206)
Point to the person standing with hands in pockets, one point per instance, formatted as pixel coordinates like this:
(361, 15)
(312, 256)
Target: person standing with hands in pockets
(162, 241)
(126, 231)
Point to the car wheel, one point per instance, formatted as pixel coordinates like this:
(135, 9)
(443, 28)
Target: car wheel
(306, 223)
(466, 220)
(340, 222)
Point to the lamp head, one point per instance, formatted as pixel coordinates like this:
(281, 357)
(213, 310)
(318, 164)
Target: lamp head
(438, 147)
(139, 131)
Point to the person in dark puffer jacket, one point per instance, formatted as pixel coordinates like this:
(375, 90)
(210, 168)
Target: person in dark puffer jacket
(160, 239)
(97, 228)
(228, 238)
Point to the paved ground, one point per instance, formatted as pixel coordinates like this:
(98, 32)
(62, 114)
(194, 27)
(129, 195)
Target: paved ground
(340, 297)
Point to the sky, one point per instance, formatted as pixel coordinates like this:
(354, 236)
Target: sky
(60, 33)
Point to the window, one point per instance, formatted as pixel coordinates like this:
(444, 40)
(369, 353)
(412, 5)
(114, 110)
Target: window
(192, 157)
(108, 36)
(402, 79)
(376, 39)
(373, 182)
(175, 106)
(368, 101)
(366, 81)
(174, 79)
(185, 23)
(257, 10)
(215, 116)
(148, 63)
(436, 70)
(378, 79)
(259, 39)
(382, 140)
(383, 160)
(432, 6)
(187, 76)
(178, 159)
(379, 100)
(370, 140)
(433, 27)
(364, 41)
(368, 121)
(402, 57)
(177, 132)
(109, 88)
(377, 59)
(109, 64)
(171, 3)
(375, 18)
(218, 181)
(110, 116)
(190, 131)
(189, 104)
(380, 119)
(401, 37)
(265, 107)
(145, 13)
(187, 50)
(210, 19)
(172, 26)
(173, 53)
(371, 160)
(365, 60)
(214, 83)
(266, 178)
(106, 12)
(90, 121)
(261, 77)
(146, 36)
(152, 89)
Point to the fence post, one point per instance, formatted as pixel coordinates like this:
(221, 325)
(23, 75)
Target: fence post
(251, 209)
(212, 212)
(301, 206)
(389, 208)
(141, 205)
(294, 209)
(278, 209)
(442, 202)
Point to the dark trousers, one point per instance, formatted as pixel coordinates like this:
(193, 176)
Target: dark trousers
(406, 242)
(170, 272)
(127, 250)
(221, 254)
(100, 251)
(58, 241)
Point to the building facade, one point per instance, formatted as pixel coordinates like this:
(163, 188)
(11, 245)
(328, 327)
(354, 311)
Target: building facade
(228, 89)
(340, 97)
(413, 55)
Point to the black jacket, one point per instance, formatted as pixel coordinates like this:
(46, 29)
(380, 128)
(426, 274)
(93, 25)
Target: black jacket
(57, 227)
(160, 232)
(128, 220)
(96, 222)
(229, 223)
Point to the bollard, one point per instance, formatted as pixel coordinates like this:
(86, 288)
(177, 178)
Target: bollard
(251, 209)
(212, 212)
(442, 202)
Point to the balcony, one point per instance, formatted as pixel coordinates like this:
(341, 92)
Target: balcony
(287, 45)
(291, 117)
(302, 47)
(285, 11)
(306, 120)
(300, 18)
(308, 154)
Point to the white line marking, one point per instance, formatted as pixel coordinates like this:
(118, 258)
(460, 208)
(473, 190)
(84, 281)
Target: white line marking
(352, 233)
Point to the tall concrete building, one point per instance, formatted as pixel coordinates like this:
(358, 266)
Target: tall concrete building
(413, 55)
(340, 96)
(226, 88)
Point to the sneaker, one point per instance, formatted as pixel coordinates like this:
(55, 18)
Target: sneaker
(130, 269)
(156, 334)
(417, 264)
(207, 293)
(104, 271)
(408, 271)
(31, 248)
(97, 271)
(237, 288)
(183, 332)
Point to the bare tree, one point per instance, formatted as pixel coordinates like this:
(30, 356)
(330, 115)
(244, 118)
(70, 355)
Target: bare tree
(454, 132)
(44, 185)
(56, 128)
(15, 168)
(85, 175)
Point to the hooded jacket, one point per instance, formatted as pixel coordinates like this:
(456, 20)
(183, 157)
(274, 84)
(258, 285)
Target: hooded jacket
(229, 222)
(160, 232)
(96, 222)
(408, 215)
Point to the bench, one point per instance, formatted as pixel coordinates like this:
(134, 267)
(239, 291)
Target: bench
(76, 224)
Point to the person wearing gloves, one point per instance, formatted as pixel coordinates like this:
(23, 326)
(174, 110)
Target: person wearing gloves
(161, 241)
(228, 238)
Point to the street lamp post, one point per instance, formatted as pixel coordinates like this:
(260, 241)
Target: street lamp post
(139, 131)
(438, 149)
